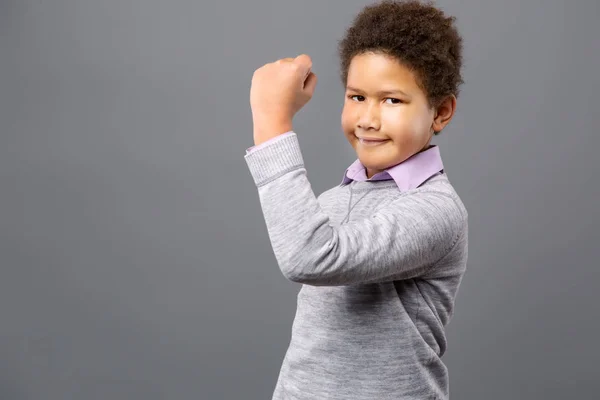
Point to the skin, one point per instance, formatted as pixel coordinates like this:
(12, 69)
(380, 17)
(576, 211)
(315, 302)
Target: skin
(403, 118)
(278, 91)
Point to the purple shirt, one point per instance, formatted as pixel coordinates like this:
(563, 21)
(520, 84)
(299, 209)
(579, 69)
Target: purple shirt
(409, 174)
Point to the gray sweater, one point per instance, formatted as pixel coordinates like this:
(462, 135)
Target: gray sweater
(380, 263)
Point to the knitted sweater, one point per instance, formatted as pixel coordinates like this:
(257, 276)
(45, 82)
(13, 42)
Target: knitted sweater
(379, 261)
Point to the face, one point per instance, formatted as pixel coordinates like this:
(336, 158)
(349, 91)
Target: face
(383, 101)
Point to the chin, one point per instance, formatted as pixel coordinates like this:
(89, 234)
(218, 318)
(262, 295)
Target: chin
(373, 164)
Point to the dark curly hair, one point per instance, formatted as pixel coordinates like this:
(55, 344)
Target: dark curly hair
(415, 33)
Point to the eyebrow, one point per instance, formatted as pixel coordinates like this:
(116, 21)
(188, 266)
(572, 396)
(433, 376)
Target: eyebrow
(381, 92)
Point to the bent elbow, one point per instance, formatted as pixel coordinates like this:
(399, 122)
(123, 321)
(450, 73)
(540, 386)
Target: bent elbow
(307, 276)
(294, 273)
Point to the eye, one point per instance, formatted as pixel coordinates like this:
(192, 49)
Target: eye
(398, 100)
(352, 96)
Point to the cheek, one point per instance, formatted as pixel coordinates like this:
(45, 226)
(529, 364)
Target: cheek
(397, 120)
(422, 119)
(346, 120)
(407, 121)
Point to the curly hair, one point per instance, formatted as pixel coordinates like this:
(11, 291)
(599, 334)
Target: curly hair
(416, 34)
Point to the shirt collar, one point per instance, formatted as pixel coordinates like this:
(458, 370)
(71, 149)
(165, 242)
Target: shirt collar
(409, 174)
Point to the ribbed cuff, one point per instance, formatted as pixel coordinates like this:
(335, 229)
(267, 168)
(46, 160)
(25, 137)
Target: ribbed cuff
(275, 159)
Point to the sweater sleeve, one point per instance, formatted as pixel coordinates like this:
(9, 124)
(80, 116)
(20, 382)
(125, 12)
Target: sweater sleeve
(402, 240)
(266, 143)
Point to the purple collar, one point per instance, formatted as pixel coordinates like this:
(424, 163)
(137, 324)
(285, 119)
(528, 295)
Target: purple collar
(409, 174)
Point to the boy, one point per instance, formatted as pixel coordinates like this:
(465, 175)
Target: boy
(380, 256)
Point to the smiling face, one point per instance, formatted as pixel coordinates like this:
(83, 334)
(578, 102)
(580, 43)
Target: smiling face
(383, 101)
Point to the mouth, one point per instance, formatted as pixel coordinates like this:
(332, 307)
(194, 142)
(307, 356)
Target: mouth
(371, 142)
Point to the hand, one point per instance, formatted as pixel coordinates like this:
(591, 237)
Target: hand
(278, 91)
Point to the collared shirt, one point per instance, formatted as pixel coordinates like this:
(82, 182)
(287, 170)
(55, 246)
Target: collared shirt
(409, 174)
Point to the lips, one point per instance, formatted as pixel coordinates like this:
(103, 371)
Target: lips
(371, 141)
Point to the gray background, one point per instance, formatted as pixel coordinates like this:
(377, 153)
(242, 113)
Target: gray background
(135, 261)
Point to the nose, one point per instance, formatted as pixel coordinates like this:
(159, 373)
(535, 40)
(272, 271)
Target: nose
(369, 117)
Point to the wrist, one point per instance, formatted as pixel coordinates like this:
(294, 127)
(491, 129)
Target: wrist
(267, 131)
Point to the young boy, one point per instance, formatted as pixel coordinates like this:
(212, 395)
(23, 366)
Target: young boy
(381, 255)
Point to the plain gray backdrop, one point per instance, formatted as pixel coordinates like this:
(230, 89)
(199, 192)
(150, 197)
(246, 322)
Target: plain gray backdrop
(135, 261)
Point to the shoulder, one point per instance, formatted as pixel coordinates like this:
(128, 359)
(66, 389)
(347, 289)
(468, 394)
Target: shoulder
(440, 186)
(438, 200)
(329, 195)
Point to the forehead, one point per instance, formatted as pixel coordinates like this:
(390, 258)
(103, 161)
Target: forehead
(376, 71)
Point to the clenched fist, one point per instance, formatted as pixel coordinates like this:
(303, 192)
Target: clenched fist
(278, 91)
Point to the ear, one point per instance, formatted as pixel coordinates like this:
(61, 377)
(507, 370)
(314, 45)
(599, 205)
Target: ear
(444, 113)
